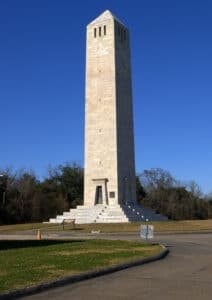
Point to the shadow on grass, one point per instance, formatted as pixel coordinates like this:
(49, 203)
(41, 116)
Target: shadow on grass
(6, 245)
(76, 228)
(66, 228)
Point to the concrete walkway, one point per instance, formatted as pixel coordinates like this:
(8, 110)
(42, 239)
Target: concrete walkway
(185, 274)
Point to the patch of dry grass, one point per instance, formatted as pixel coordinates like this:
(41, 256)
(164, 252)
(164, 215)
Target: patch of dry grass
(29, 226)
(169, 226)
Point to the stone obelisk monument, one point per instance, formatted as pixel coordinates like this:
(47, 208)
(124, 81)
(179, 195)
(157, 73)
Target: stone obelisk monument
(109, 141)
(109, 187)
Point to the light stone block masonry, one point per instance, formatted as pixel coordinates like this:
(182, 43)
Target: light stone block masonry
(109, 144)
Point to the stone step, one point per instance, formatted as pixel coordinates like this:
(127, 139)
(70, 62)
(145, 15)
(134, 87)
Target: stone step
(131, 212)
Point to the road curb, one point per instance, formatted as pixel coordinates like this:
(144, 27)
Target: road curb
(76, 278)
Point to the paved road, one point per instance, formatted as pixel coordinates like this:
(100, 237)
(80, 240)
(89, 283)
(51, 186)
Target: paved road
(185, 274)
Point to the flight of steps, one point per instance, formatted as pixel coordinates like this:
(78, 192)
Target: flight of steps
(130, 212)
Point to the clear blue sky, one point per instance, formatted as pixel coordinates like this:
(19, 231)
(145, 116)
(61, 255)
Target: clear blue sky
(42, 66)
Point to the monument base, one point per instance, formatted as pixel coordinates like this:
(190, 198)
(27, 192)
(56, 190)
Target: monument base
(122, 213)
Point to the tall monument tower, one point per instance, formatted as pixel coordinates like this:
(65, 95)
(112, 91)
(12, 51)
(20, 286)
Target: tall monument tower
(109, 142)
(109, 187)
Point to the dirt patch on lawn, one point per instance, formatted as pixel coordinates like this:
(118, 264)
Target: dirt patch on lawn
(106, 251)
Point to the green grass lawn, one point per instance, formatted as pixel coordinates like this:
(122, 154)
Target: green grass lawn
(191, 225)
(25, 263)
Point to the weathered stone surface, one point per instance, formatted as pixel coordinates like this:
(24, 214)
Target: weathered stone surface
(109, 144)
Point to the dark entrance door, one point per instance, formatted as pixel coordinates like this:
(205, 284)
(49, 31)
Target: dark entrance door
(99, 199)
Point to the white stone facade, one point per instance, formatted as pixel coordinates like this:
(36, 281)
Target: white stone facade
(109, 144)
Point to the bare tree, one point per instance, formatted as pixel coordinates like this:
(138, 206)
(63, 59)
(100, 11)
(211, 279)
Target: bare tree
(156, 178)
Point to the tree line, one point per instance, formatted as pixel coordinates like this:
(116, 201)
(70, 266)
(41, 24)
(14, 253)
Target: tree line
(160, 191)
(24, 198)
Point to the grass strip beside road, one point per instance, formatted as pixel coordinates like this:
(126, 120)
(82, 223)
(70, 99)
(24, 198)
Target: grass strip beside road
(28, 226)
(167, 226)
(26, 263)
(170, 226)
